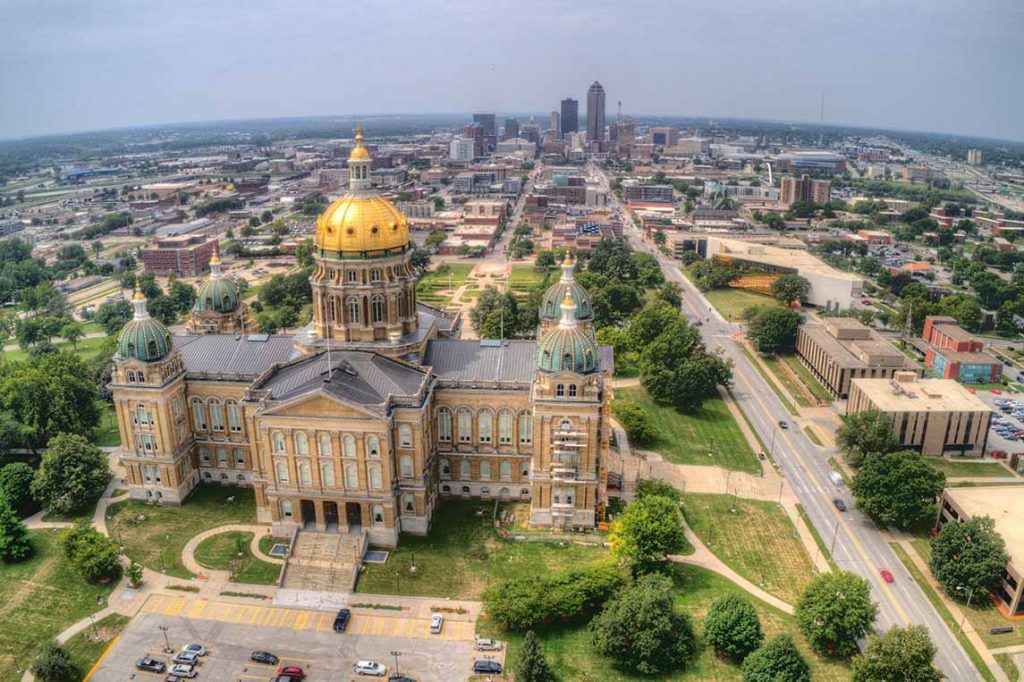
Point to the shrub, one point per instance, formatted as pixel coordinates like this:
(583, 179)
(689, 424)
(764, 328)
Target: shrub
(732, 627)
(94, 555)
(54, 665)
(777, 660)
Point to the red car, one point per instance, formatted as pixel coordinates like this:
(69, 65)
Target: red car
(292, 671)
(996, 391)
(887, 576)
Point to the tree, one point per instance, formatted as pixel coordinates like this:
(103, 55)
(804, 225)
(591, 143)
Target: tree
(835, 611)
(72, 475)
(72, 331)
(637, 423)
(671, 293)
(676, 368)
(55, 665)
(533, 666)
(498, 315)
(648, 531)
(14, 542)
(134, 573)
(15, 481)
(776, 661)
(711, 274)
(900, 655)
(304, 253)
(266, 217)
(898, 489)
(864, 434)
(113, 316)
(774, 329)
(182, 295)
(968, 558)
(641, 630)
(774, 221)
(419, 259)
(435, 239)
(790, 288)
(732, 626)
(525, 603)
(94, 555)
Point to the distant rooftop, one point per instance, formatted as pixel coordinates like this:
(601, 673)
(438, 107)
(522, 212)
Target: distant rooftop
(1005, 505)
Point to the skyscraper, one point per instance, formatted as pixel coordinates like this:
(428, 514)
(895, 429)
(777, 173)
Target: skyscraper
(511, 128)
(489, 123)
(595, 113)
(556, 123)
(570, 116)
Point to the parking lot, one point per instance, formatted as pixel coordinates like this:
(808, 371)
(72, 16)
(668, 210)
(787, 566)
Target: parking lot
(231, 632)
(1009, 420)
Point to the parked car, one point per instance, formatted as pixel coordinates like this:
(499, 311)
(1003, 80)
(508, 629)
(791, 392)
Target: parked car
(487, 645)
(486, 667)
(186, 657)
(293, 671)
(371, 668)
(341, 620)
(436, 623)
(887, 576)
(840, 505)
(783, 424)
(197, 649)
(400, 678)
(150, 665)
(186, 670)
(264, 657)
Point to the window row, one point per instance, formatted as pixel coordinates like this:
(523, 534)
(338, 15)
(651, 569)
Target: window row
(503, 493)
(485, 470)
(485, 426)
(376, 513)
(350, 474)
(222, 456)
(209, 415)
(325, 446)
(561, 390)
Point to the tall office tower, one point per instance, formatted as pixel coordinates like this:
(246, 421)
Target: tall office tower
(570, 116)
(490, 126)
(556, 124)
(595, 113)
(511, 128)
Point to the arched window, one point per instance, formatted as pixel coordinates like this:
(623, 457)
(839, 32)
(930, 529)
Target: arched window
(377, 308)
(485, 426)
(377, 515)
(375, 275)
(372, 446)
(465, 470)
(239, 457)
(560, 390)
(446, 468)
(409, 503)
(353, 308)
(301, 443)
(305, 473)
(131, 376)
(199, 414)
(353, 276)
(286, 509)
(376, 481)
(327, 473)
(222, 457)
(351, 476)
(504, 494)
(505, 427)
(234, 416)
(572, 390)
(524, 469)
(465, 426)
(485, 471)
(405, 466)
(348, 446)
(277, 441)
(405, 436)
(525, 429)
(505, 470)
(142, 377)
(566, 425)
(282, 471)
(216, 414)
(204, 454)
(444, 425)
(141, 414)
(325, 445)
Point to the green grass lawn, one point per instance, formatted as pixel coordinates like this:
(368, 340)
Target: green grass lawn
(687, 438)
(792, 385)
(958, 468)
(571, 653)
(809, 380)
(1009, 667)
(86, 348)
(86, 647)
(783, 396)
(267, 543)
(813, 436)
(462, 555)
(154, 535)
(219, 551)
(732, 302)
(38, 599)
(758, 541)
(107, 433)
(526, 277)
(446, 276)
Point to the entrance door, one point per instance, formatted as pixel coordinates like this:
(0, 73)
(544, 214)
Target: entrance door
(308, 510)
(354, 515)
(331, 515)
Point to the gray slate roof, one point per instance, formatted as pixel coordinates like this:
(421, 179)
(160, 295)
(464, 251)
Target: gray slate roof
(229, 354)
(359, 376)
(464, 360)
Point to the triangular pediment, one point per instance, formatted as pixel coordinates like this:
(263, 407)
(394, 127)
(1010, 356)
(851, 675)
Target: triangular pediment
(321, 403)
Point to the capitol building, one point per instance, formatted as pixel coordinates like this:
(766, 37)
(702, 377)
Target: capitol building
(375, 412)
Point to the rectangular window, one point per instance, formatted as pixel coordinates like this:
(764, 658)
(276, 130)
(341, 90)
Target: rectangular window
(235, 418)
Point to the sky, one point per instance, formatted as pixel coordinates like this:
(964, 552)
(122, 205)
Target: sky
(932, 65)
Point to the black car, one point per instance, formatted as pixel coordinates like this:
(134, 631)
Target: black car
(400, 678)
(783, 424)
(341, 620)
(264, 657)
(150, 665)
(486, 667)
(840, 505)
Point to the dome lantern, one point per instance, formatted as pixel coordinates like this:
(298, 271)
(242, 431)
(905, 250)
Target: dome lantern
(568, 347)
(550, 307)
(216, 294)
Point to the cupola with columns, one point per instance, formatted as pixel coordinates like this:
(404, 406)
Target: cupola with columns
(217, 309)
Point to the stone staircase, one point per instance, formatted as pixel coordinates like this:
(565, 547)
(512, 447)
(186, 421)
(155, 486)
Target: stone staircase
(325, 562)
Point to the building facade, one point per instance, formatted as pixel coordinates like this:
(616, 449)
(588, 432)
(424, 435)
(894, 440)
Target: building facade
(184, 256)
(570, 118)
(954, 353)
(375, 411)
(595, 113)
(804, 189)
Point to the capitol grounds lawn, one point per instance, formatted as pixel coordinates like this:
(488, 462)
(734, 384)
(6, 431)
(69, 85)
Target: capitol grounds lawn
(447, 277)
(758, 541)
(107, 433)
(154, 535)
(87, 646)
(86, 349)
(965, 468)
(687, 438)
(462, 554)
(38, 599)
(526, 277)
(218, 551)
(570, 651)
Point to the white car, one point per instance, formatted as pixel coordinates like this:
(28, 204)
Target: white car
(197, 649)
(436, 623)
(183, 670)
(186, 657)
(371, 668)
(487, 645)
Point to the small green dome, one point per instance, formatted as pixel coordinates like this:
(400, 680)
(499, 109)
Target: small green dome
(217, 295)
(550, 307)
(568, 347)
(143, 338)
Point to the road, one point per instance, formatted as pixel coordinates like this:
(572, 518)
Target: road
(858, 545)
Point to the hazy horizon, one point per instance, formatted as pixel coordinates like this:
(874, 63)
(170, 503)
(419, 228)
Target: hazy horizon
(902, 65)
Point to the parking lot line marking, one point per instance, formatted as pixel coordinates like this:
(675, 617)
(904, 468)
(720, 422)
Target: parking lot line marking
(174, 608)
(378, 627)
(322, 623)
(300, 621)
(307, 661)
(256, 613)
(288, 620)
(96, 665)
(197, 609)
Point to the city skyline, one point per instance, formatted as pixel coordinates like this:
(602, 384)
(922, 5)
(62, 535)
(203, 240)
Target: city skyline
(189, 62)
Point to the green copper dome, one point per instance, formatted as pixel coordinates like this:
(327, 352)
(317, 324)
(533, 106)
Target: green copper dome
(216, 294)
(567, 347)
(551, 305)
(143, 338)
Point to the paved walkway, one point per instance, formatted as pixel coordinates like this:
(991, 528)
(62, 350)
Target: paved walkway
(188, 553)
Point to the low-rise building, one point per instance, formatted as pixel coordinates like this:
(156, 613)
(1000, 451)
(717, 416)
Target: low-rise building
(843, 349)
(1005, 506)
(932, 416)
(954, 353)
(184, 256)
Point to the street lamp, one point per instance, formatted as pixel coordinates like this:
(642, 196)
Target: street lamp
(970, 594)
(396, 654)
(167, 642)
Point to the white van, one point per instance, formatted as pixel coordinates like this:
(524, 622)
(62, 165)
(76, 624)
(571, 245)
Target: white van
(835, 477)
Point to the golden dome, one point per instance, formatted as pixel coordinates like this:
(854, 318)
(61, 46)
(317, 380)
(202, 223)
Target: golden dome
(359, 224)
(359, 153)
